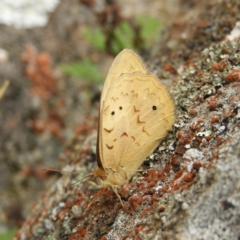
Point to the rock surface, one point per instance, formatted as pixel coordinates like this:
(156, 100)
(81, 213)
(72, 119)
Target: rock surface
(190, 186)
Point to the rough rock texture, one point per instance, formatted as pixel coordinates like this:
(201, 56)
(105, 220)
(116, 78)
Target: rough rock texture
(190, 186)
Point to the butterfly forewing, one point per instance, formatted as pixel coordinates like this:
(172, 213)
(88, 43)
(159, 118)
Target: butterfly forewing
(126, 62)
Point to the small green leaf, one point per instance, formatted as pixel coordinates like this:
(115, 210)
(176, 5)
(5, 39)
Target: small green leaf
(84, 69)
(150, 27)
(124, 36)
(95, 37)
(8, 235)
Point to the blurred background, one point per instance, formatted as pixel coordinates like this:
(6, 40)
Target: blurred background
(54, 56)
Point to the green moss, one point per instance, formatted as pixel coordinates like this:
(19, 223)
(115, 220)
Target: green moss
(135, 35)
(84, 69)
(123, 37)
(95, 37)
(150, 28)
(8, 235)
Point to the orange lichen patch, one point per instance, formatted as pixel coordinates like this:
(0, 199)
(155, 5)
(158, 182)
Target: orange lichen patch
(103, 237)
(154, 199)
(190, 63)
(203, 24)
(180, 149)
(186, 186)
(79, 199)
(219, 140)
(126, 190)
(195, 126)
(135, 201)
(61, 214)
(138, 229)
(178, 174)
(170, 68)
(175, 161)
(214, 119)
(38, 69)
(79, 234)
(214, 156)
(161, 209)
(218, 66)
(200, 120)
(153, 176)
(45, 85)
(208, 138)
(150, 175)
(186, 179)
(183, 139)
(193, 112)
(233, 76)
(181, 180)
(179, 134)
(212, 105)
(106, 194)
(197, 165)
(54, 124)
(146, 211)
(150, 188)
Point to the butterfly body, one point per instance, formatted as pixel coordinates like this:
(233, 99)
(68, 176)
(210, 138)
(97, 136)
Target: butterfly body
(110, 177)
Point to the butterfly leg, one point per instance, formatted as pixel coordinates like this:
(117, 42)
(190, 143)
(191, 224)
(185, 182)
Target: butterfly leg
(117, 195)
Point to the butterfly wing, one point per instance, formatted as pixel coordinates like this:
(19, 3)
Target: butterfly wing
(136, 114)
(127, 61)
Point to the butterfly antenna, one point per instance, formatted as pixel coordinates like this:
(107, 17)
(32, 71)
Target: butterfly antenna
(89, 175)
(55, 170)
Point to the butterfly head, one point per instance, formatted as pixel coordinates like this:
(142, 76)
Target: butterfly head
(98, 178)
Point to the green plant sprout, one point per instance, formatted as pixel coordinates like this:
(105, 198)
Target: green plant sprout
(124, 35)
(83, 69)
(95, 37)
(8, 235)
(150, 28)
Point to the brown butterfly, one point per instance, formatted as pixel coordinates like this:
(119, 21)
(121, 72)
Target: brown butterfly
(136, 113)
